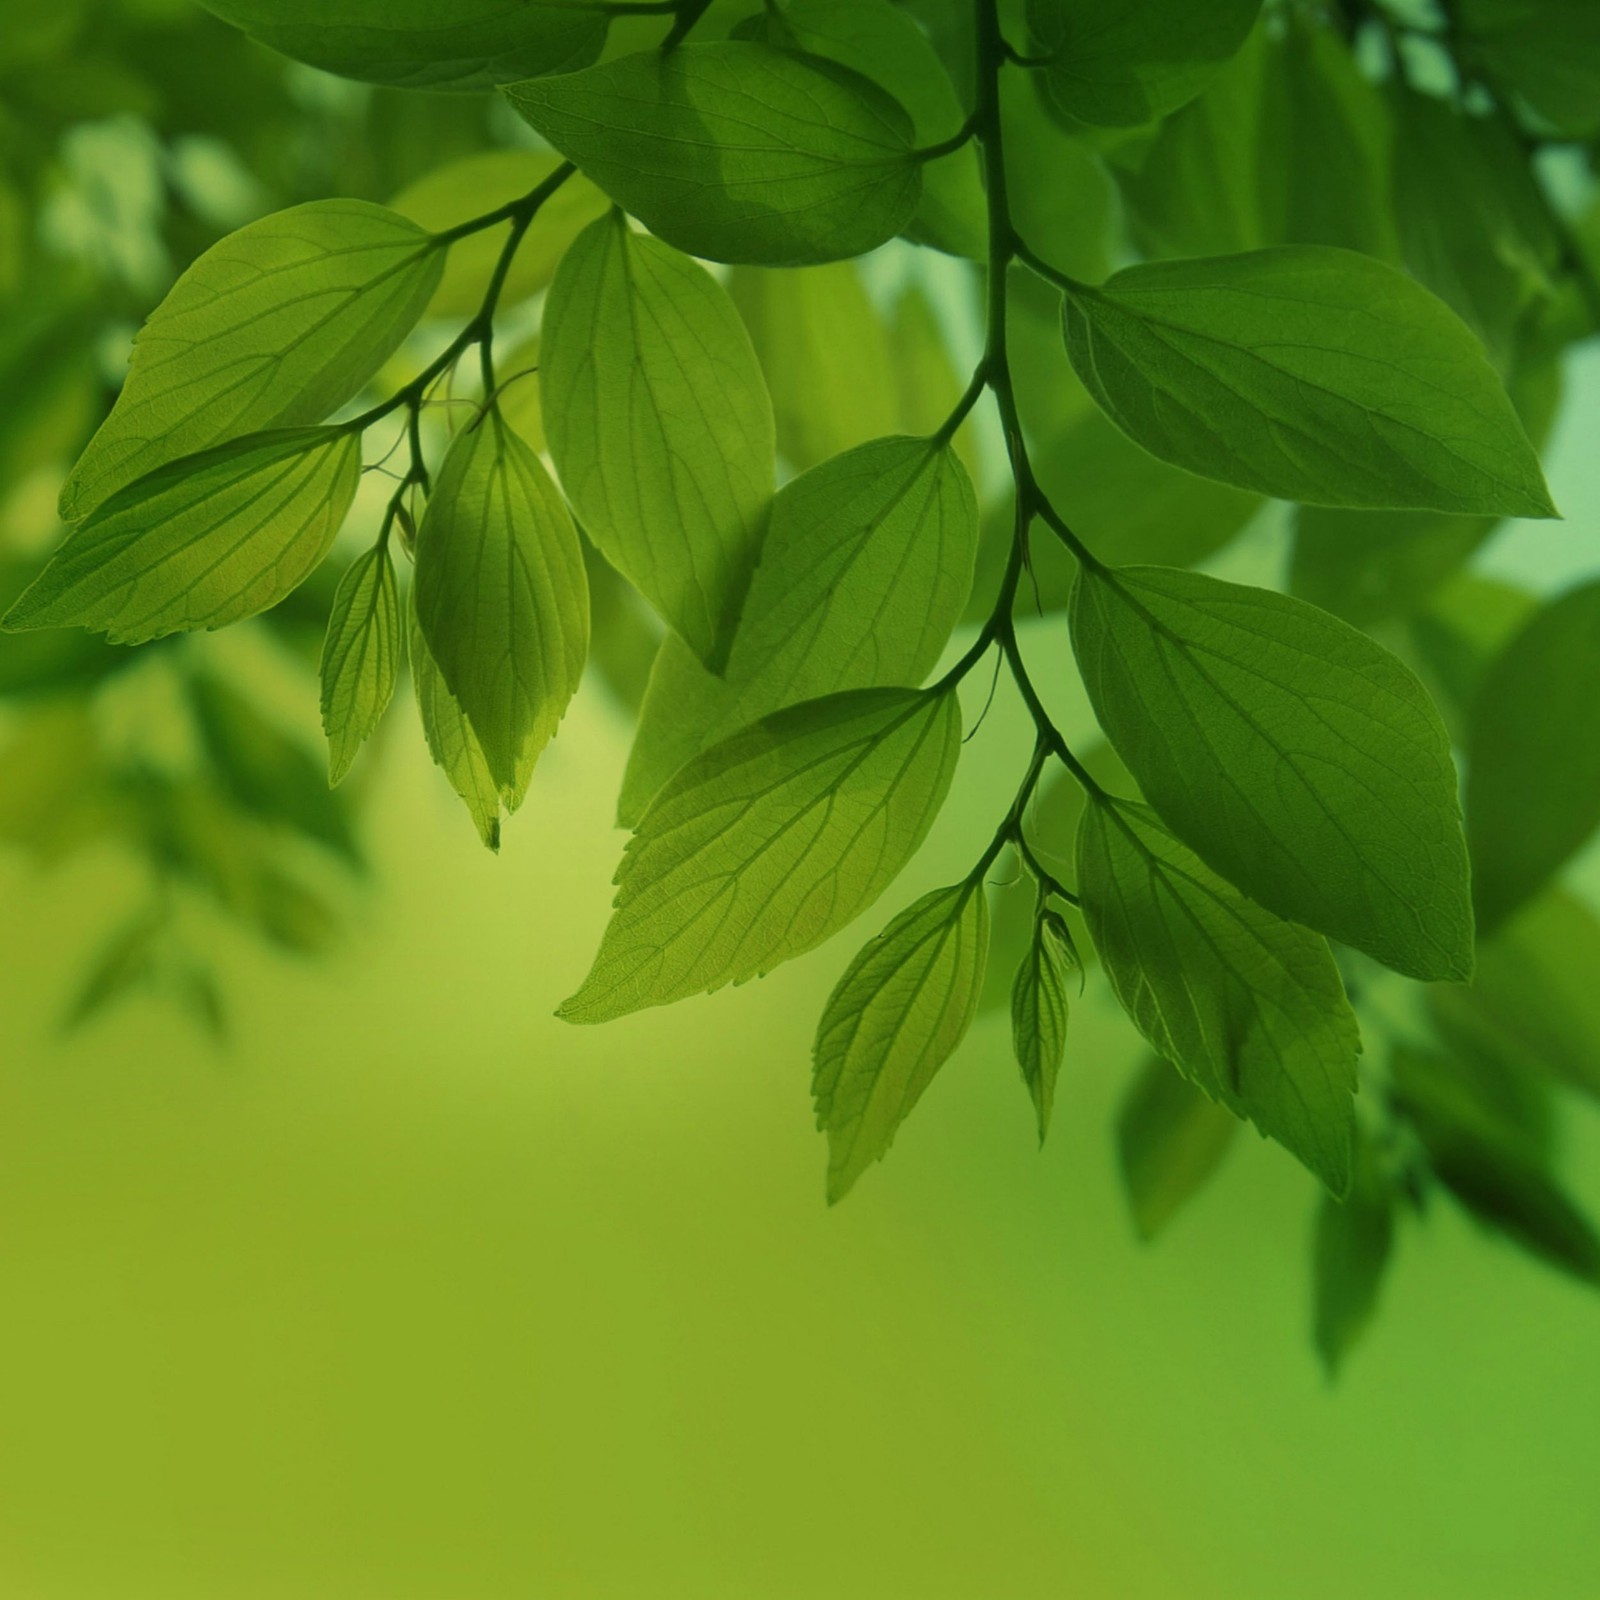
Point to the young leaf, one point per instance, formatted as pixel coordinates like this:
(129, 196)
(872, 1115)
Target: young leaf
(200, 542)
(1246, 1006)
(895, 1018)
(659, 424)
(1170, 1141)
(275, 326)
(426, 44)
(863, 575)
(501, 596)
(1122, 65)
(769, 842)
(360, 656)
(1308, 373)
(1296, 756)
(1533, 755)
(451, 741)
(1350, 1254)
(1039, 1011)
(735, 151)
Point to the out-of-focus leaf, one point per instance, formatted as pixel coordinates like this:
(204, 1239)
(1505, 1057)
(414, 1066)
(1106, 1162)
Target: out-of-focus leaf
(124, 963)
(55, 787)
(1350, 1254)
(1170, 1141)
(1547, 52)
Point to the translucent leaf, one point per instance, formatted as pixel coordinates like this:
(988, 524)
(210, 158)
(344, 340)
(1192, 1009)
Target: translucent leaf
(659, 424)
(275, 326)
(863, 575)
(771, 841)
(1246, 1006)
(1170, 1142)
(201, 542)
(1533, 755)
(502, 597)
(1308, 373)
(360, 656)
(1121, 65)
(1039, 1011)
(427, 44)
(1297, 756)
(893, 1019)
(736, 151)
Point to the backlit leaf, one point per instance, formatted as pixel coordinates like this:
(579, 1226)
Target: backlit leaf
(360, 656)
(1039, 1011)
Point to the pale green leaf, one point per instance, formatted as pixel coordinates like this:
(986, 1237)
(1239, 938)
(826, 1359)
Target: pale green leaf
(1533, 755)
(501, 596)
(1170, 1141)
(762, 847)
(1121, 65)
(451, 741)
(1039, 1011)
(1298, 757)
(427, 44)
(736, 151)
(360, 656)
(659, 424)
(862, 577)
(275, 326)
(1309, 373)
(483, 182)
(893, 1019)
(200, 542)
(1248, 1007)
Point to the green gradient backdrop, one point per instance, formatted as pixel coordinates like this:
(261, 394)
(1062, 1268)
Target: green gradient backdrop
(420, 1295)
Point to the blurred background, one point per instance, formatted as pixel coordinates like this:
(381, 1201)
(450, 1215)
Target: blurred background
(331, 1265)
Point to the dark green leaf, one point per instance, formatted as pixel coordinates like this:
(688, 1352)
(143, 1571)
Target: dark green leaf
(1246, 1006)
(1308, 373)
(275, 326)
(501, 596)
(1298, 757)
(1533, 755)
(762, 847)
(892, 1021)
(1129, 63)
(862, 576)
(201, 542)
(1545, 51)
(659, 424)
(1354, 1238)
(737, 151)
(1171, 1139)
(360, 656)
(1039, 1011)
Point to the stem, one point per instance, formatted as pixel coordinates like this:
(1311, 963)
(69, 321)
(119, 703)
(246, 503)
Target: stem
(689, 12)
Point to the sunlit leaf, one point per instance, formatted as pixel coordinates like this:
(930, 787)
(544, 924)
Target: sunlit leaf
(1039, 1011)
(360, 656)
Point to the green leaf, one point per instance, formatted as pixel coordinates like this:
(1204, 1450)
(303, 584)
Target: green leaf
(1468, 622)
(483, 182)
(893, 1019)
(275, 326)
(360, 656)
(1118, 66)
(826, 355)
(771, 841)
(265, 771)
(659, 424)
(862, 578)
(200, 542)
(1547, 52)
(125, 961)
(737, 151)
(451, 741)
(501, 596)
(1247, 1007)
(1350, 1254)
(426, 44)
(1533, 755)
(1039, 1011)
(1296, 756)
(1308, 373)
(1492, 1177)
(1170, 1141)
(881, 42)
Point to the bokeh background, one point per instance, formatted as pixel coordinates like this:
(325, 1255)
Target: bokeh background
(411, 1292)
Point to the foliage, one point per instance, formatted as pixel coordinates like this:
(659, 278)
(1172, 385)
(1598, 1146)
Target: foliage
(1218, 252)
